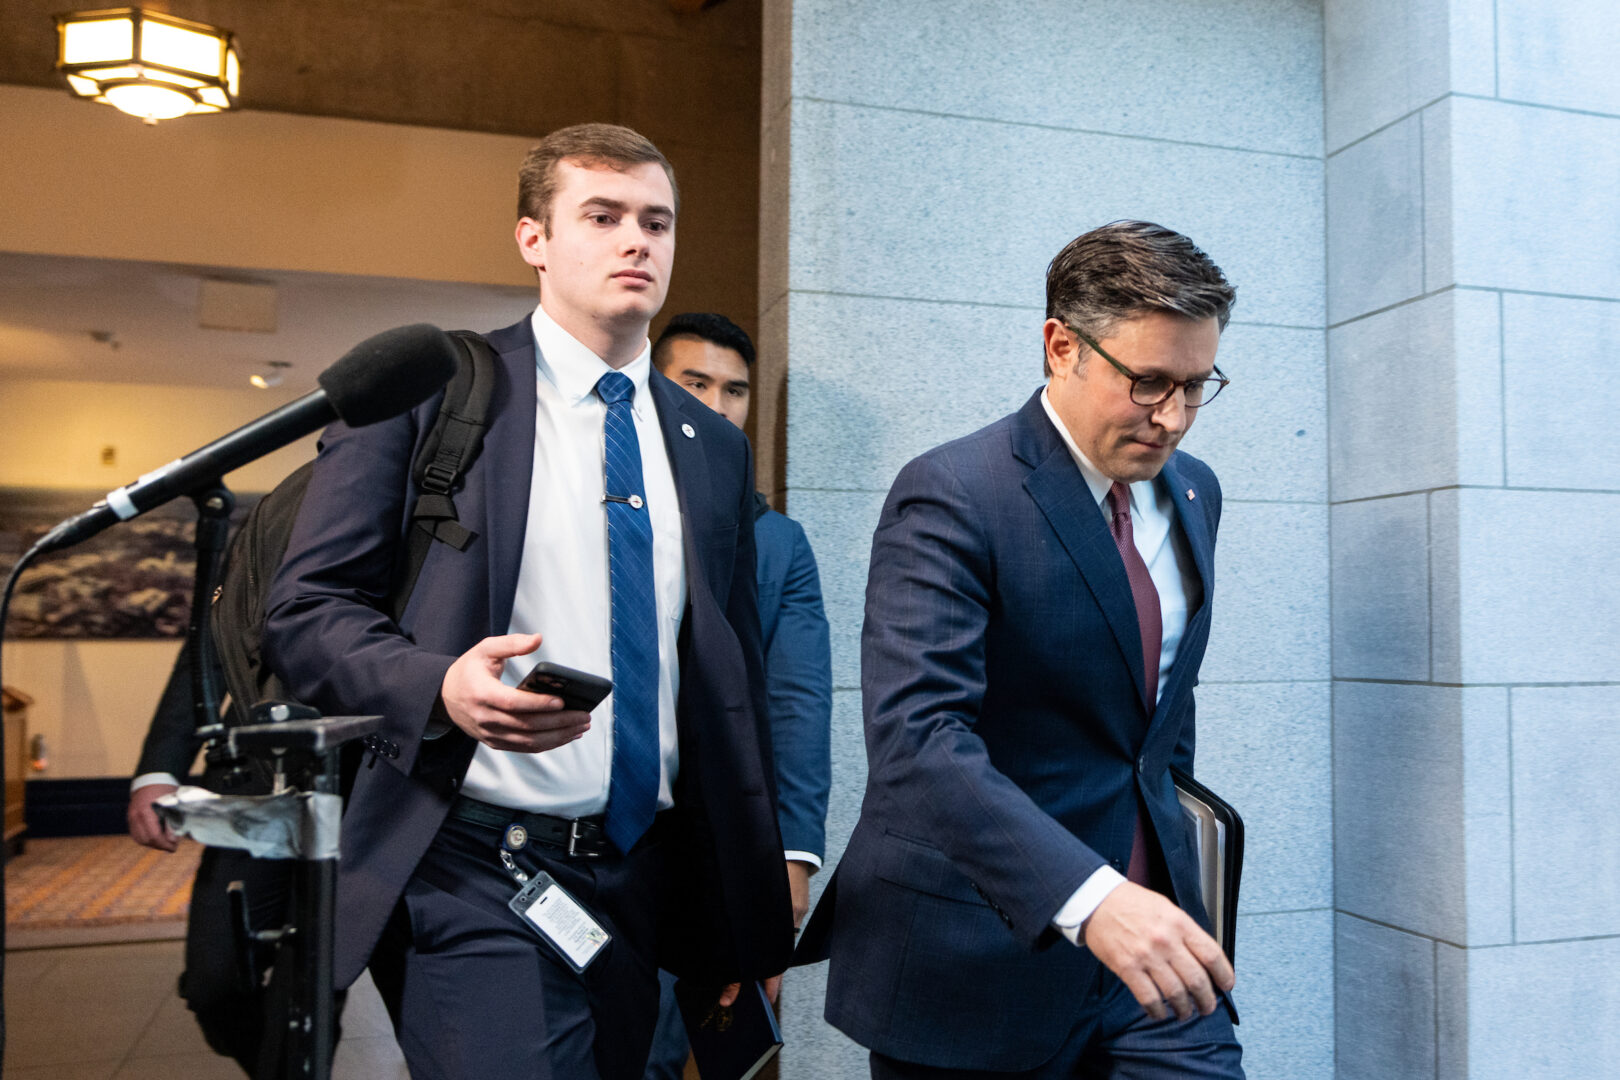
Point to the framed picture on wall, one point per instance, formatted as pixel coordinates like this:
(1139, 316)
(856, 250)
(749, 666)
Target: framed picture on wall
(132, 581)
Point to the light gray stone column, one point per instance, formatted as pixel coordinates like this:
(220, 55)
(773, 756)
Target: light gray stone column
(1473, 169)
(923, 161)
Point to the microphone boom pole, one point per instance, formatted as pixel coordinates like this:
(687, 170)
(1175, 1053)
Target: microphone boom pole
(381, 377)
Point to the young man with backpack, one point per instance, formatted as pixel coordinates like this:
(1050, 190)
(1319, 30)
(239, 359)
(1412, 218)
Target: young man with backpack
(606, 524)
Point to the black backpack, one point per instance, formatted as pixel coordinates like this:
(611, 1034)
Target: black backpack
(256, 551)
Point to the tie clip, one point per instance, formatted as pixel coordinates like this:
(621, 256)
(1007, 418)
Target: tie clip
(634, 501)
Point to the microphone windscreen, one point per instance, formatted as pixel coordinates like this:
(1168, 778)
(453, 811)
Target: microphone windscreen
(389, 373)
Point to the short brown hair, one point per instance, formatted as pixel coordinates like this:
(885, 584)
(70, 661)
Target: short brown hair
(588, 144)
(1128, 268)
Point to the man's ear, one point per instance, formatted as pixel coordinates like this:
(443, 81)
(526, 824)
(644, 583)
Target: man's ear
(531, 242)
(1062, 350)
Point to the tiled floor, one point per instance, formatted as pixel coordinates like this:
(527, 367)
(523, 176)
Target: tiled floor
(110, 1012)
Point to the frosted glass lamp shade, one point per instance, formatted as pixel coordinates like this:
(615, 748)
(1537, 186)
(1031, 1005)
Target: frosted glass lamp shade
(150, 65)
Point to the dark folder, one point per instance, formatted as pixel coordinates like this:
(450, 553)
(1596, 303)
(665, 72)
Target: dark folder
(1218, 840)
(730, 1043)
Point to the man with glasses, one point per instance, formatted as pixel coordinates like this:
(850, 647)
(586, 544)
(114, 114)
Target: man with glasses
(1020, 896)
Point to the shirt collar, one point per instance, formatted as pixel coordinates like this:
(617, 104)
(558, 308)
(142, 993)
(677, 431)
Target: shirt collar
(575, 370)
(1099, 485)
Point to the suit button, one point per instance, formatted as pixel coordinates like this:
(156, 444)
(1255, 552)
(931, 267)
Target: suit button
(1141, 764)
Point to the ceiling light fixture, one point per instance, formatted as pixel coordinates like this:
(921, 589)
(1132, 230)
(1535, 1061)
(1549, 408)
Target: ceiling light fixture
(152, 66)
(270, 376)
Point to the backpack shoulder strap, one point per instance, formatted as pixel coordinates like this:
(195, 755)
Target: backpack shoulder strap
(447, 453)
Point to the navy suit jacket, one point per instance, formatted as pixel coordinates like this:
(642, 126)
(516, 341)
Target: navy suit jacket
(1008, 739)
(798, 678)
(171, 742)
(728, 916)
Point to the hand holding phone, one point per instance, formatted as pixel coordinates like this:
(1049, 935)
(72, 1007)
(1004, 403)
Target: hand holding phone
(579, 690)
(475, 699)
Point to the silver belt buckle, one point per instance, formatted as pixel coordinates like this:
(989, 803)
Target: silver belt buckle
(574, 838)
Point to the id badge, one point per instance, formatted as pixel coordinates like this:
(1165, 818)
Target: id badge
(561, 921)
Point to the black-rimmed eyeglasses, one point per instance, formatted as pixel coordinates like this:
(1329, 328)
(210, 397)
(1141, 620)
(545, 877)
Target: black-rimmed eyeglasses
(1155, 390)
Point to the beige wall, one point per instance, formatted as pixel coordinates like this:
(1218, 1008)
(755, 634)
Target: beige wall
(256, 190)
(355, 152)
(54, 431)
(275, 191)
(94, 699)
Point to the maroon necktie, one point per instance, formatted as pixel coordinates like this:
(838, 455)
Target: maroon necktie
(1151, 622)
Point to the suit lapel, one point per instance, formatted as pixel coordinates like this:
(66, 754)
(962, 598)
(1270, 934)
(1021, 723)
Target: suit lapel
(1191, 518)
(1061, 494)
(1193, 525)
(687, 462)
(508, 460)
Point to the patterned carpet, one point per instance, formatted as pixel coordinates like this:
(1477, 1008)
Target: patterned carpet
(94, 889)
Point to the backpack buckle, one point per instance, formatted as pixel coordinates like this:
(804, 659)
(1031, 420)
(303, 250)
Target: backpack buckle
(437, 477)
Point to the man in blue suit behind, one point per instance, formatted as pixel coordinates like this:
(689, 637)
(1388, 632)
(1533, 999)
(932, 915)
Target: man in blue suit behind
(1020, 896)
(711, 357)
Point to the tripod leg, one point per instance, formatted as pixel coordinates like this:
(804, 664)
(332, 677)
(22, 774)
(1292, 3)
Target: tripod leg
(247, 968)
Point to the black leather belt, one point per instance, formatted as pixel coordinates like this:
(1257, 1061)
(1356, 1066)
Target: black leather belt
(580, 838)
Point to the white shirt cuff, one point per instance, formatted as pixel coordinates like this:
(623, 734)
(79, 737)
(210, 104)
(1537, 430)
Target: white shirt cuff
(1071, 917)
(804, 857)
(148, 779)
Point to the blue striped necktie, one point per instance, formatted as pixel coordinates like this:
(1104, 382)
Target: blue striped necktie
(633, 790)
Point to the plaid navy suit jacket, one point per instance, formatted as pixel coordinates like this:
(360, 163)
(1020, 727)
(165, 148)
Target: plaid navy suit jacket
(1008, 736)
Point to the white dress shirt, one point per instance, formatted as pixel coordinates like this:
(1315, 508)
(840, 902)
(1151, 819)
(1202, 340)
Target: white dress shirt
(1169, 562)
(563, 591)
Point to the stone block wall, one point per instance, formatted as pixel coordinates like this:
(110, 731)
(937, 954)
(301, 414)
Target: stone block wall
(1473, 163)
(922, 164)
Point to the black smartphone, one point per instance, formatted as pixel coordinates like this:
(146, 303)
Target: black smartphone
(579, 690)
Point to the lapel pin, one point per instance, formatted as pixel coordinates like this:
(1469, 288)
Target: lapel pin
(1191, 495)
(686, 429)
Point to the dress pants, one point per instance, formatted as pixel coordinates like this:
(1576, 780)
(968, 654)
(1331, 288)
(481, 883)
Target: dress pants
(474, 992)
(670, 1048)
(1119, 1042)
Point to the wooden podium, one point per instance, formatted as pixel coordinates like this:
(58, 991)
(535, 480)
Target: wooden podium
(16, 764)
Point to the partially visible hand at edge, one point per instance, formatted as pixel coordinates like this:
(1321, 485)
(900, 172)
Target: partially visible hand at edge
(799, 886)
(145, 827)
(728, 996)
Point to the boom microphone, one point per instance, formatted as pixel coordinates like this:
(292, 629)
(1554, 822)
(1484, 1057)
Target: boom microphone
(381, 377)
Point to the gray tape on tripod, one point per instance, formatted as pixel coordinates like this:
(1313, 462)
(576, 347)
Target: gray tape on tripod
(296, 825)
(323, 822)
